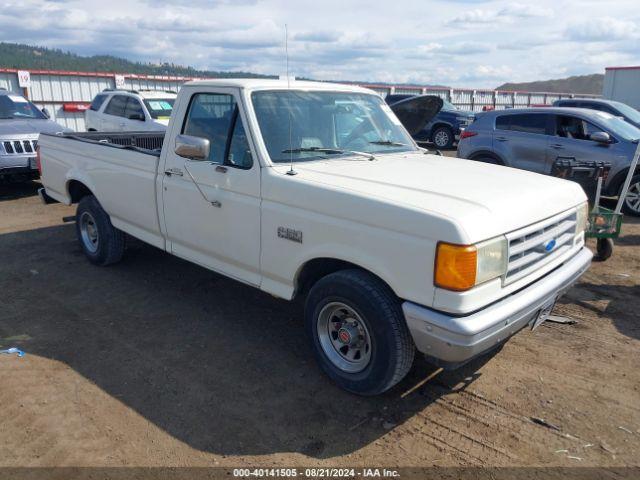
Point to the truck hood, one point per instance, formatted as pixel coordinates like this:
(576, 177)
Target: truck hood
(482, 200)
(13, 127)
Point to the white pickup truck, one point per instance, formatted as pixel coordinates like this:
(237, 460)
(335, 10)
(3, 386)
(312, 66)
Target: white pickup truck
(316, 189)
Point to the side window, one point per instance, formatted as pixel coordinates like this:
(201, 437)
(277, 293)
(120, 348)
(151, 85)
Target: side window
(575, 128)
(503, 122)
(529, 123)
(97, 102)
(134, 109)
(239, 154)
(116, 105)
(569, 104)
(210, 116)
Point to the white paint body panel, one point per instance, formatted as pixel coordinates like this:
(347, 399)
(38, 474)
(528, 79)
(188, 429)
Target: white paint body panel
(385, 215)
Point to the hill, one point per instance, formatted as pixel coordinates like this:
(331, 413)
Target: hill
(590, 84)
(15, 55)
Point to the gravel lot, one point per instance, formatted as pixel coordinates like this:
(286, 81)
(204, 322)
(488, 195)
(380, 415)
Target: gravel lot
(156, 361)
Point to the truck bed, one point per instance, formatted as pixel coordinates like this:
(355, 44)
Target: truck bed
(144, 142)
(119, 168)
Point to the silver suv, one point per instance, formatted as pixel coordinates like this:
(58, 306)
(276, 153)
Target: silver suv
(21, 123)
(534, 138)
(130, 110)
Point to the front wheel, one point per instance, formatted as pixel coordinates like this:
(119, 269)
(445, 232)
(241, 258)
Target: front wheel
(358, 332)
(631, 203)
(443, 137)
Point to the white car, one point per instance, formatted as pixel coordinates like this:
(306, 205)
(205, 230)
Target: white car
(130, 111)
(316, 190)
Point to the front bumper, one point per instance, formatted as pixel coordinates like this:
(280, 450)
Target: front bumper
(451, 341)
(17, 164)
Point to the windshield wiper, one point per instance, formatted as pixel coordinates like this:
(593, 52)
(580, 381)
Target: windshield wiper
(389, 143)
(329, 150)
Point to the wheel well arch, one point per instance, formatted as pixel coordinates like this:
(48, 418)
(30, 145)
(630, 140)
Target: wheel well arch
(440, 124)
(486, 153)
(77, 190)
(618, 180)
(315, 269)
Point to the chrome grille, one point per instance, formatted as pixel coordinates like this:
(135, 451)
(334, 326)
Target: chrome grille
(19, 147)
(527, 252)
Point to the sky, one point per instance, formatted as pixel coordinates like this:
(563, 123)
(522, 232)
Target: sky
(460, 43)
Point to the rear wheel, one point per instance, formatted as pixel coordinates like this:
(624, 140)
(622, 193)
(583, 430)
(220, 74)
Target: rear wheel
(358, 332)
(443, 137)
(631, 203)
(101, 242)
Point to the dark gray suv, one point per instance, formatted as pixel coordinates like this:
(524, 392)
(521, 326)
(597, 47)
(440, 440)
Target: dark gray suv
(534, 138)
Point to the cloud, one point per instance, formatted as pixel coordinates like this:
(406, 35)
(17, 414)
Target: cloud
(603, 29)
(317, 36)
(471, 43)
(508, 14)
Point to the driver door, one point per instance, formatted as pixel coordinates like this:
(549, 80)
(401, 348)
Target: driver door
(212, 207)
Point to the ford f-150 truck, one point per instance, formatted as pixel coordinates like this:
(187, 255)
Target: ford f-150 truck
(317, 190)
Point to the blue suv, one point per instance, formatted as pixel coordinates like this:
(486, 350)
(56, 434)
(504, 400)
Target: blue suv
(445, 128)
(617, 109)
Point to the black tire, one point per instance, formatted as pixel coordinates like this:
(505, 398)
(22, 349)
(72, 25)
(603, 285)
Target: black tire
(110, 245)
(604, 249)
(392, 350)
(634, 189)
(443, 137)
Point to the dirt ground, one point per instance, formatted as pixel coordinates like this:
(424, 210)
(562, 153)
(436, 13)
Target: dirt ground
(158, 362)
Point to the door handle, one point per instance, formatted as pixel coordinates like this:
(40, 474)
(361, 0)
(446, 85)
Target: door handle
(501, 139)
(174, 171)
(221, 169)
(557, 146)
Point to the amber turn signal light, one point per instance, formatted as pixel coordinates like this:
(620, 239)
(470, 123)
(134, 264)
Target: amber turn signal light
(455, 266)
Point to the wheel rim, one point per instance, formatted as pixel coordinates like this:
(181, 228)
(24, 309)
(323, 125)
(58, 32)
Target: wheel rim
(632, 200)
(89, 232)
(344, 337)
(441, 138)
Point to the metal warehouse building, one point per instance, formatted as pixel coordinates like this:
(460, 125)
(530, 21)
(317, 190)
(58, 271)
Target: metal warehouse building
(66, 95)
(623, 84)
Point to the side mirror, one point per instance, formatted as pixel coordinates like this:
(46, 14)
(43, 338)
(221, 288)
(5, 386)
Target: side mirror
(193, 148)
(601, 137)
(46, 112)
(136, 116)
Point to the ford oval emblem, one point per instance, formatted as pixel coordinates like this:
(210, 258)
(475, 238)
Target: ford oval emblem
(550, 245)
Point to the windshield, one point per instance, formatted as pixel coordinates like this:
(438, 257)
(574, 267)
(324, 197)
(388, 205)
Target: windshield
(619, 127)
(448, 106)
(16, 106)
(629, 112)
(303, 126)
(160, 108)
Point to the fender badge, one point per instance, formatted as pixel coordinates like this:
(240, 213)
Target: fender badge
(290, 234)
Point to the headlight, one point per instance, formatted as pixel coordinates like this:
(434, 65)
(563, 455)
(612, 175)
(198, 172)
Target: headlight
(461, 267)
(582, 217)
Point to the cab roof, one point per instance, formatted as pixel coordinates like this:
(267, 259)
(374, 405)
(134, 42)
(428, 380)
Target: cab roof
(278, 84)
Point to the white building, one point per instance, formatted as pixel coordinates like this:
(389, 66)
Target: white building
(623, 84)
